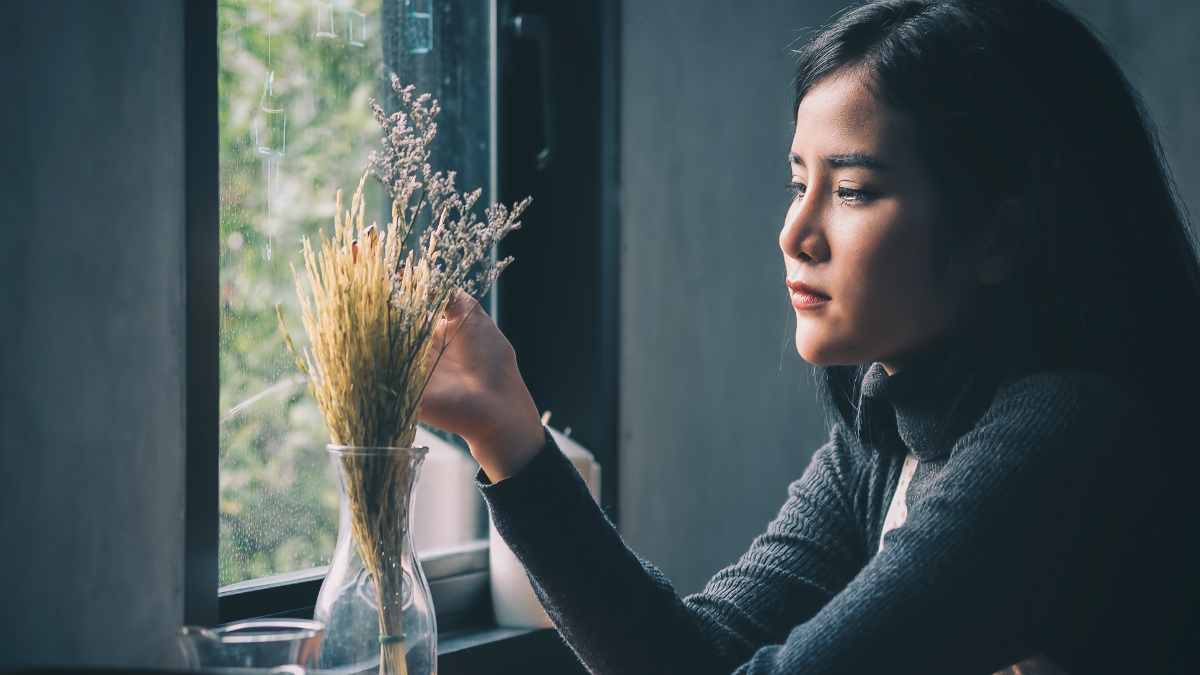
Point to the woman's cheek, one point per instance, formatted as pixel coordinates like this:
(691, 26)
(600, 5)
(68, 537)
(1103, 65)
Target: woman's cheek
(874, 292)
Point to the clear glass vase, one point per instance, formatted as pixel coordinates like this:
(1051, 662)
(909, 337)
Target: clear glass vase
(375, 602)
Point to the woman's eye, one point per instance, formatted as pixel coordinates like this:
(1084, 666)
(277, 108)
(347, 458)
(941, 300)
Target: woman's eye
(854, 195)
(797, 189)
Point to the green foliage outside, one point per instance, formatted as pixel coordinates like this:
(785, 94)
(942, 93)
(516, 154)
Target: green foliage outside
(294, 127)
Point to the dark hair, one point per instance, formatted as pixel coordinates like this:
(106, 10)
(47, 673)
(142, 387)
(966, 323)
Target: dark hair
(1018, 98)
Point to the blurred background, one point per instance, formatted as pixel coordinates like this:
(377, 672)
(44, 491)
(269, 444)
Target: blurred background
(645, 303)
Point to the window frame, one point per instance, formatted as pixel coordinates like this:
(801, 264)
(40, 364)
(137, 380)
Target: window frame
(458, 578)
(201, 312)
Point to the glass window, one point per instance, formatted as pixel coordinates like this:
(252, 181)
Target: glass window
(295, 126)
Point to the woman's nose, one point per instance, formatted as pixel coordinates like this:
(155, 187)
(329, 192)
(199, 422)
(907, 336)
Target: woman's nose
(803, 233)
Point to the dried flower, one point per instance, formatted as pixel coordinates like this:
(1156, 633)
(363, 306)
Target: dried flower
(402, 167)
(375, 304)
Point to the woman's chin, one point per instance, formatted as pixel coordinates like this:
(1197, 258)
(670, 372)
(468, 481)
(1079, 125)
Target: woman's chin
(827, 352)
(813, 344)
(817, 354)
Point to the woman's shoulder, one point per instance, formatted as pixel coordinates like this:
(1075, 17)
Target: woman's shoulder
(1066, 391)
(1068, 408)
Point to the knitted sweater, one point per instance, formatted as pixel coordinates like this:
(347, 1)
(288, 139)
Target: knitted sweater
(1047, 515)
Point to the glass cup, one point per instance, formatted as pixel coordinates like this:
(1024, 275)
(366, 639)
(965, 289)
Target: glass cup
(256, 643)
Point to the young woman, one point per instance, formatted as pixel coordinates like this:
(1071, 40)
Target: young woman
(987, 261)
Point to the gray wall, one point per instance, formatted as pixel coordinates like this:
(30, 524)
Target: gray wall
(1157, 43)
(717, 413)
(713, 427)
(91, 329)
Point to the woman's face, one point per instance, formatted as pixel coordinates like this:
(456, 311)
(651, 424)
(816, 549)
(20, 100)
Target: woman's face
(858, 242)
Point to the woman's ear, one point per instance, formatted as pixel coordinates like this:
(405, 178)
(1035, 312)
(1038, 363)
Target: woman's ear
(1001, 241)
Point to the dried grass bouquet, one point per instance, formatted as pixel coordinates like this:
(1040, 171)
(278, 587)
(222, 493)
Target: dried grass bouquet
(376, 302)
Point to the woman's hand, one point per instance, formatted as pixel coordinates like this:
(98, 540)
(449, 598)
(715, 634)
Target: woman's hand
(476, 391)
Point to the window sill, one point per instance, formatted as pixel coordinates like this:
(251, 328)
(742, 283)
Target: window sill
(501, 651)
(468, 643)
(458, 582)
(493, 651)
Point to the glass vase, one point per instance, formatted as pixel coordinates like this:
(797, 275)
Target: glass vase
(375, 602)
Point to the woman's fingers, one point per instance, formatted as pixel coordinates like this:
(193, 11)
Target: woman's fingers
(458, 308)
(476, 391)
(461, 303)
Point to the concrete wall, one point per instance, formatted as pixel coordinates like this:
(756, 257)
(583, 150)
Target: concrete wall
(717, 413)
(91, 330)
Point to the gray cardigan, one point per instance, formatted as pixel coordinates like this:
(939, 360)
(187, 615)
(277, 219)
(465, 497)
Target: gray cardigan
(1047, 514)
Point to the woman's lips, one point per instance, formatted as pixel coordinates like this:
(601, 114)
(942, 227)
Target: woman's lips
(805, 296)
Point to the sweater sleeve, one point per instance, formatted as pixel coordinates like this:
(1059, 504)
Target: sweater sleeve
(1010, 552)
(621, 615)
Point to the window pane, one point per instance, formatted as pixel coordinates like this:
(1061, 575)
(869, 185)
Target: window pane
(295, 78)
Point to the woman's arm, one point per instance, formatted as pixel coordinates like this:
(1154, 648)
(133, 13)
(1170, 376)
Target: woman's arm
(621, 615)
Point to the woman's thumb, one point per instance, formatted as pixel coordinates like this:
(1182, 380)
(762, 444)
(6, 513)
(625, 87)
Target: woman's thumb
(461, 303)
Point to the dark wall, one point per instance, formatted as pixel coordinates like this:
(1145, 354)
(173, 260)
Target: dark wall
(557, 301)
(91, 330)
(717, 413)
(1156, 43)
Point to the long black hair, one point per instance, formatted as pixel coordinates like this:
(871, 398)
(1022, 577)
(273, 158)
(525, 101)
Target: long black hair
(1019, 99)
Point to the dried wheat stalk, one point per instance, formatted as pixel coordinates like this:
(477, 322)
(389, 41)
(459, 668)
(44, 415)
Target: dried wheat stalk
(374, 308)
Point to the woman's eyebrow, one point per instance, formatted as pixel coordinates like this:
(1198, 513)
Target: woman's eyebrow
(853, 159)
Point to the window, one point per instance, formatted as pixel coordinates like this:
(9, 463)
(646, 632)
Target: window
(295, 77)
(290, 73)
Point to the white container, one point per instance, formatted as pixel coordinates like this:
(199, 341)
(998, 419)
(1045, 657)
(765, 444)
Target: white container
(513, 599)
(449, 510)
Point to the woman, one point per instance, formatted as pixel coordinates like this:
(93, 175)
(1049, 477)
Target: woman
(987, 261)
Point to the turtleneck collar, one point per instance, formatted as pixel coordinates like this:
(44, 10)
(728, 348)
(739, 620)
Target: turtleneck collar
(933, 403)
